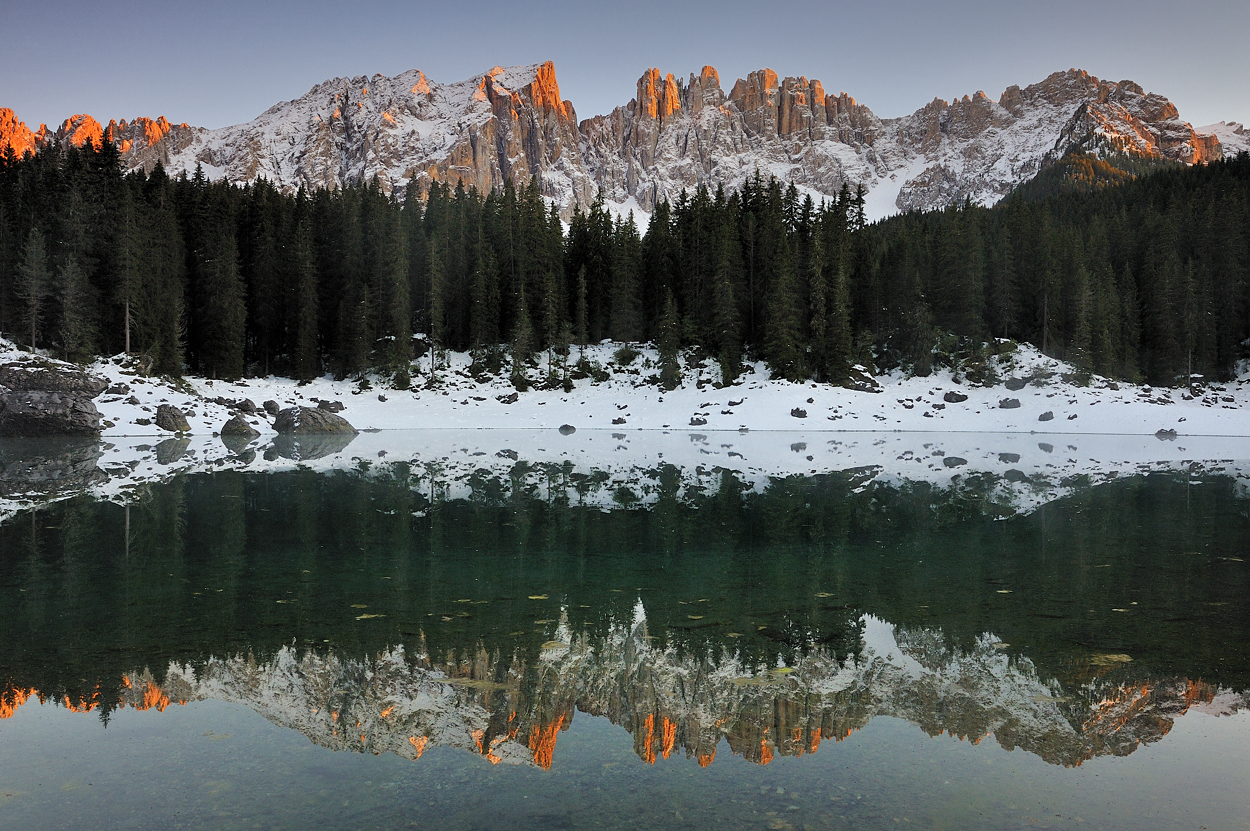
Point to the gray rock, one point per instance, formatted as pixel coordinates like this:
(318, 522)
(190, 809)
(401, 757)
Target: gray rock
(36, 413)
(306, 421)
(1009, 458)
(1015, 384)
(1009, 404)
(799, 412)
(118, 389)
(169, 417)
(567, 429)
(41, 398)
(330, 406)
(271, 407)
(954, 461)
(953, 397)
(1046, 416)
(238, 427)
(695, 421)
(245, 405)
(41, 376)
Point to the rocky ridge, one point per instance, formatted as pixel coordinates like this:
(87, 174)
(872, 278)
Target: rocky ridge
(510, 124)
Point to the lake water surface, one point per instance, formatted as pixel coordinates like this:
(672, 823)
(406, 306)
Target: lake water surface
(545, 647)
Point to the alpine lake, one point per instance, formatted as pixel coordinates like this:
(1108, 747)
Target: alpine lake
(378, 643)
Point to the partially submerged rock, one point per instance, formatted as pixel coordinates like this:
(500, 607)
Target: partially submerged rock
(36, 413)
(169, 417)
(237, 434)
(306, 421)
(238, 426)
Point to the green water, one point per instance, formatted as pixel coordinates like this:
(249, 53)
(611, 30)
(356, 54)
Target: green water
(375, 648)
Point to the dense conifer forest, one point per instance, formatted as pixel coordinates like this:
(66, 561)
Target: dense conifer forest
(1134, 274)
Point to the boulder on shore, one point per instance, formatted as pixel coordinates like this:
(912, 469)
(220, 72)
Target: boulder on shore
(169, 417)
(35, 413)
(41, 398)
(42, 376)
(306, 421)
(239, 427)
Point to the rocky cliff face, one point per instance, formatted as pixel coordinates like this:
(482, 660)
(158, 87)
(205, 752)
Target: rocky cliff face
(511, 124)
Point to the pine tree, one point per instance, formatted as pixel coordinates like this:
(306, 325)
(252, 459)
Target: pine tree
(725, 322)
(522, 343)
(307, 353)
(580, 311)
(32, 284)
(73, 294)
(668, 333)
(221, 311)
(782, 338)
(126, 262)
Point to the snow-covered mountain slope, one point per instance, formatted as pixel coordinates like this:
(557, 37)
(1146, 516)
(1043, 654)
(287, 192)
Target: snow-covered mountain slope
(511, 124)
(1234, 138)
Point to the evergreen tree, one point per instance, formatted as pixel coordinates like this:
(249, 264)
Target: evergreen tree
(782, 340)
(73, 294)
(669, 337)
(307, 358)
(32, 284)
(522, 344)
(126, 262)
(220, 308)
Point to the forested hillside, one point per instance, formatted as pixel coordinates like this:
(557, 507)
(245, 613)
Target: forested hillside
(1140, 278)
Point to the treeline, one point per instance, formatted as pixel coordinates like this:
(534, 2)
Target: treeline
(1143, 280)
(1133, 280)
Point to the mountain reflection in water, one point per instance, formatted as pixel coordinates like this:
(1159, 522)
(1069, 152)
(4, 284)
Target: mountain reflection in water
(374, 613)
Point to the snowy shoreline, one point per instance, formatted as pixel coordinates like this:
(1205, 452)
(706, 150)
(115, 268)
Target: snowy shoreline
(625, 400)
(464, 429)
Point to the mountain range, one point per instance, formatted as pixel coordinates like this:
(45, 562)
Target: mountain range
(513, 124)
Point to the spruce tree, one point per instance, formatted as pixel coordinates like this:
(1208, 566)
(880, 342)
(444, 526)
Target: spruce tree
(73, 294)
(782, 339)
(307, 358)
(522, 343)
(668, 332)
(221, 312)
(126, 262)
(32, 284)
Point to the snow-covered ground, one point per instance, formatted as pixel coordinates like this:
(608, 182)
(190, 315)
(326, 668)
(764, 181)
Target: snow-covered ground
(628, 402)
(628, 427)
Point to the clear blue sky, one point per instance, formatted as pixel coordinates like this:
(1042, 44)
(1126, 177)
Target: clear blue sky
(218, 63)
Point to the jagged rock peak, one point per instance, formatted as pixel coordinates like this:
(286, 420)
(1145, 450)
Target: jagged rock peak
(511, 124)
(16, 135)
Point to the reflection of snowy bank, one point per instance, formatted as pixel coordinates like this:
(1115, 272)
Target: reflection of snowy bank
(1007, 473)
(511, 708)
